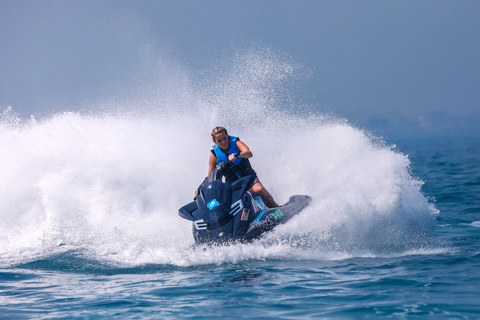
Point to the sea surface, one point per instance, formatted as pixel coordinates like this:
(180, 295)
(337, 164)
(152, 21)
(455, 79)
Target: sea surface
(412, 252)
(89, 200)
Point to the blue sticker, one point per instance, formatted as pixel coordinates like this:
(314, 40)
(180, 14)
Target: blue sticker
(212, 204)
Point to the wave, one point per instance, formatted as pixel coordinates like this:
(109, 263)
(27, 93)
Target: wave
(109, 183)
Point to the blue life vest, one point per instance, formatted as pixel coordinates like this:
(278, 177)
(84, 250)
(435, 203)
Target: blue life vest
(221, 156)
(241, 168)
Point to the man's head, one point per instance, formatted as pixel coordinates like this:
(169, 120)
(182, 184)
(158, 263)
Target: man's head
(220, 137)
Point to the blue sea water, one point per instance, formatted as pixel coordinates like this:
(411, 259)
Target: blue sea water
(292, 275)
(89, 225)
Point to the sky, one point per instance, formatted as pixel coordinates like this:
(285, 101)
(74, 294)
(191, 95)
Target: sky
(383, 62)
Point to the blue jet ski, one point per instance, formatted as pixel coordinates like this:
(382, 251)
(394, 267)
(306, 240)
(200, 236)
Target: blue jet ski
(227, 212)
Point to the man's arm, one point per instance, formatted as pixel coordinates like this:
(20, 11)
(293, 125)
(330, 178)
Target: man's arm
(212, 163)
(245, 152)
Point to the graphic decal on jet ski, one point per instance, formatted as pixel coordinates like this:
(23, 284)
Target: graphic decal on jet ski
(277, 214)
(212, 204)
(260, 215)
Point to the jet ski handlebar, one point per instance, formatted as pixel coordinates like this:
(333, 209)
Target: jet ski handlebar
(226, 164)
(217, 172)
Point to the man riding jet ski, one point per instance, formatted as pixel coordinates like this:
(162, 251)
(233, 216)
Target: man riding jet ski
(226, 211)
(231, 148)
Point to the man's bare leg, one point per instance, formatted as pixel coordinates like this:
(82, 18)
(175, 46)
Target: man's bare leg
(267, 198)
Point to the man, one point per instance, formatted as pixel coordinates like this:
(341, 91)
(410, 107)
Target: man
(224, 149)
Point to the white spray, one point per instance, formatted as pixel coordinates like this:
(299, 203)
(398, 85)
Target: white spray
(109, 184)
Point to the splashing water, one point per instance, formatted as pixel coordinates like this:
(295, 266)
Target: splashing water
(109, 184)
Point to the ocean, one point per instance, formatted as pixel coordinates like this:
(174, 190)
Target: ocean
(89, 224)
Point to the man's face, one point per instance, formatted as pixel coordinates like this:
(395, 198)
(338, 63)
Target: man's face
(222, 140)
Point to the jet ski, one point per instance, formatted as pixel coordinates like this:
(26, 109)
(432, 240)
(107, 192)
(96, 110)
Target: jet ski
(225, 213)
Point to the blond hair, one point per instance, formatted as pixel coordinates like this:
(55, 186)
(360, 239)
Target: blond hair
(218, 130)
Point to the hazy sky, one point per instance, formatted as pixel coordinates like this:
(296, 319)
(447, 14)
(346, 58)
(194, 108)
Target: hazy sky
(367, 57)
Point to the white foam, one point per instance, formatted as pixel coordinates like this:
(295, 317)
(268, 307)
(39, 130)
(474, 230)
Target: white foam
(111, 183)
